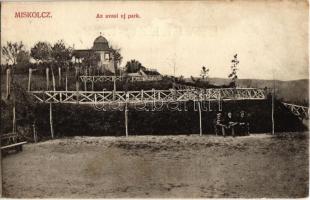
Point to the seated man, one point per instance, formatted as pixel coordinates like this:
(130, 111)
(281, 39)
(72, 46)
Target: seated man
(243, 124)
(219, 124)
(225, 124)
(230, 123)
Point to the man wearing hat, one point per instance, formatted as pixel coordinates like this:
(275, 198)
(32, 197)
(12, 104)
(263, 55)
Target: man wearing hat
(243, 124)
(219, 124)
(230, 123)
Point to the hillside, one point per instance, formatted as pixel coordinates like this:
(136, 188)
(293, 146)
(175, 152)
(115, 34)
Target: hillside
(300, 88)
(72, 120)
(296, 91)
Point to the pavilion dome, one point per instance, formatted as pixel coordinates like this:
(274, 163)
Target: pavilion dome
(100, 39)
(100, 44)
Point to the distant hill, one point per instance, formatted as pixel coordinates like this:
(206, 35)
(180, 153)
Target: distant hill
(296, 91)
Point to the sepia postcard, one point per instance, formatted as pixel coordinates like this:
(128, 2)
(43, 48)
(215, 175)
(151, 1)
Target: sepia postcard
(155, 99)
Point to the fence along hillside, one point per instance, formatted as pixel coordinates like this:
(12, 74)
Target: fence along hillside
(113, 123)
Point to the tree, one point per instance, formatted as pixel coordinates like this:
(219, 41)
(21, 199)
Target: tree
(117, 58)
(41, 52)
(60, 54)
(133, 66)
(23, 57)
(204, 72)
(11, 51)
(193, 79)
(181, 79)
(234, 67)
(91, 59)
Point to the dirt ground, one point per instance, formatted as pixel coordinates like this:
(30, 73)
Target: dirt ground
(160, 166)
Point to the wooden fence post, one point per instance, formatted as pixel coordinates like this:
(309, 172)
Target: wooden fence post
(59, 76)
(67, 78)
(126, 120)
(77, 84)
(53, 78)
(47, 78)
(126, 115)
(35, 137)
(209, 105)
(154, 99)
(77, 92)
(8, 83)
(92, 85)
(14, 118)
(272, 111)
(219, 101)
(51, 121)
(29, 79)
(200, 121)
(114, 83)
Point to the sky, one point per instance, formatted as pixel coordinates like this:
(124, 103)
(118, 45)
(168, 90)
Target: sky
(270, 37)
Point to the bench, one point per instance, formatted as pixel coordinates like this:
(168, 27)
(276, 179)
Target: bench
(236, 128)
(18, 145)
(223, 128)
(11, 142)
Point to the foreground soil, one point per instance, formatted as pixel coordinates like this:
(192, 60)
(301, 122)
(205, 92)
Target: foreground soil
(161, 166)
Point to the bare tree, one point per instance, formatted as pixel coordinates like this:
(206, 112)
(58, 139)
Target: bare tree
(11, 51)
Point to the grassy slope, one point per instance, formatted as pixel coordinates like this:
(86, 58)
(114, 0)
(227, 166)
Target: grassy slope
(164, 122)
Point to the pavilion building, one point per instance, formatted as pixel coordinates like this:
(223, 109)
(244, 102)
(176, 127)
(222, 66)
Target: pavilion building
(101, 55)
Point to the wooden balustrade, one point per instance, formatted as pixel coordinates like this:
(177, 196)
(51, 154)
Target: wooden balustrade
(102, 97)
(94, 79)
(300, 111)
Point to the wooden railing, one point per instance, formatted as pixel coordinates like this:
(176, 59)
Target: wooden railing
(119, 78)
(300, 111)
(185, 87)
(145, 96)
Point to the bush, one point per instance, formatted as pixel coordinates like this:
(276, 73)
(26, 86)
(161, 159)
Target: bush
(24, 110)
(72, 120)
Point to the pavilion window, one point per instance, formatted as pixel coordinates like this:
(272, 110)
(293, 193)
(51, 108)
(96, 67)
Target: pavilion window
(107, 56)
